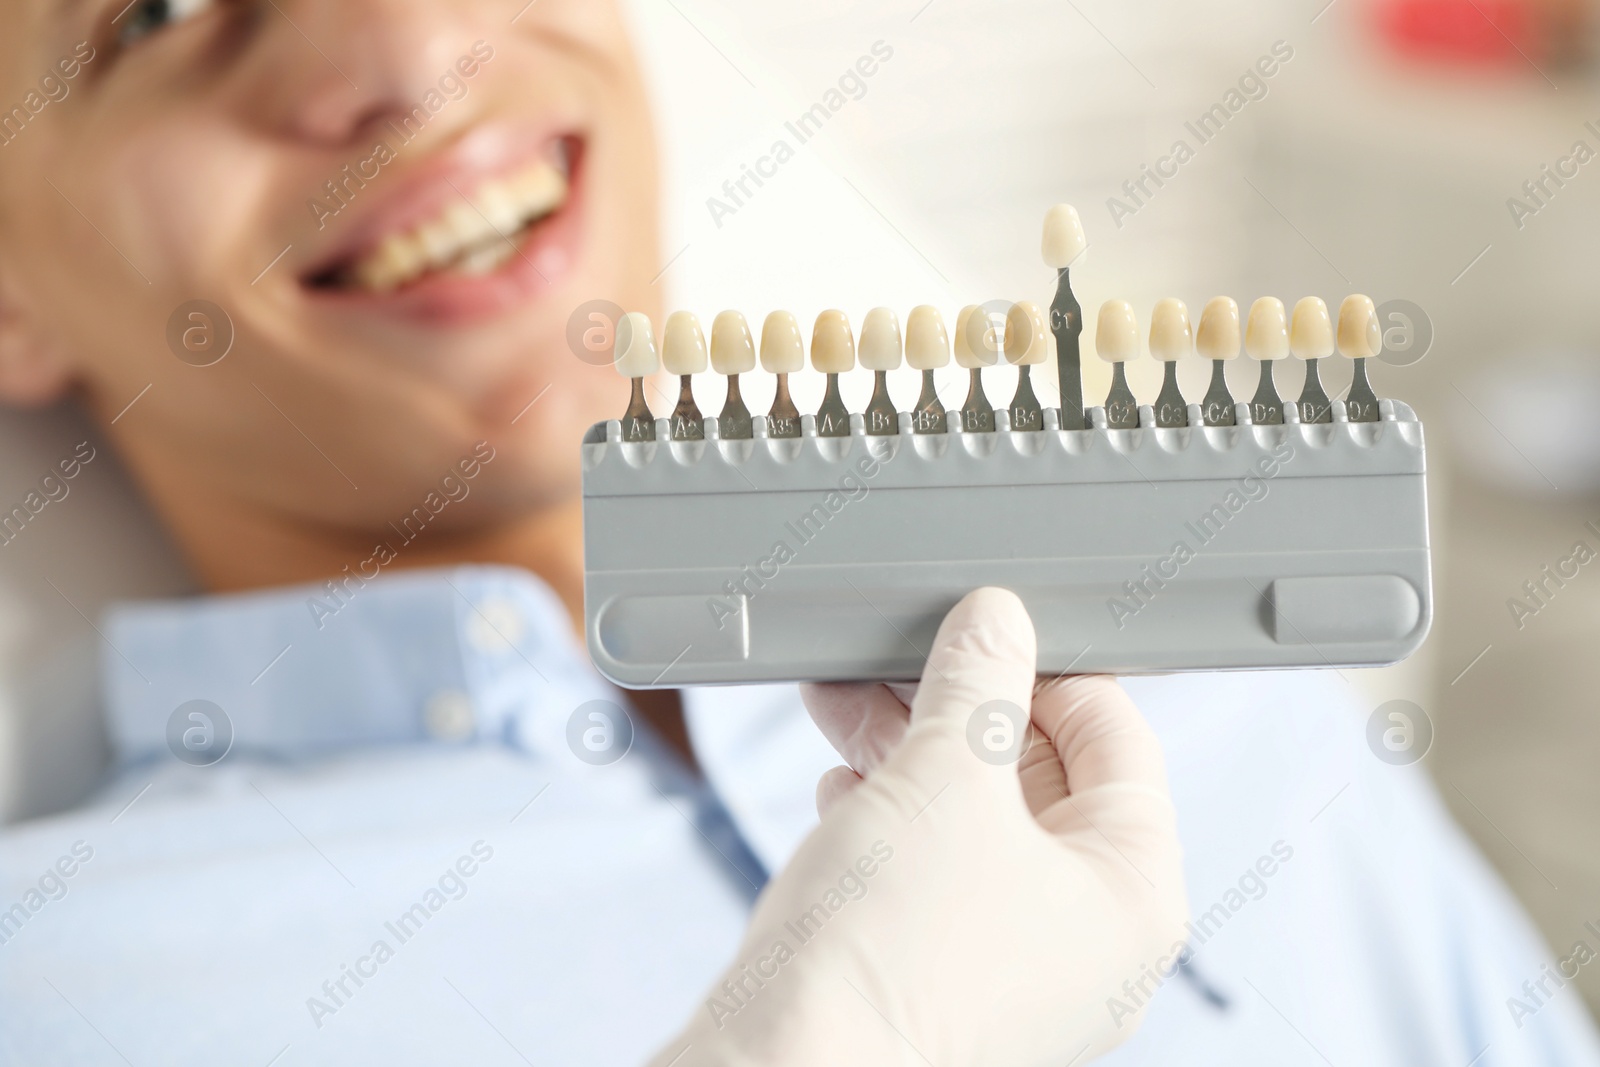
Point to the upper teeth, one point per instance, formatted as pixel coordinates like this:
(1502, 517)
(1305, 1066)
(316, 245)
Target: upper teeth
(472, 235)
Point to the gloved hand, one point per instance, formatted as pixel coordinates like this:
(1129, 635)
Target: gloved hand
(953, 910)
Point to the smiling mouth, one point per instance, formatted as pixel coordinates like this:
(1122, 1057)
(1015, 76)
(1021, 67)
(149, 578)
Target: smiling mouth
(474, 235)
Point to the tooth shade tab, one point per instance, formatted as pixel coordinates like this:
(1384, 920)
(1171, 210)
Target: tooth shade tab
(733, 350)
(1063, 236)
(1266, 334)
(978, 342)
(1218, 335)
(683, 346)
(782, 350)
(1116, 332)
(833, 346)
(1310, 329)
(1027, 334)
(636, 346)
(880, 340)
(1170, 336)
(927, 344)
(1359, 336)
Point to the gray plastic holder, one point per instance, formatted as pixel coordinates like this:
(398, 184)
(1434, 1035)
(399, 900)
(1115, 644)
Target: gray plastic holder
(1136, 551)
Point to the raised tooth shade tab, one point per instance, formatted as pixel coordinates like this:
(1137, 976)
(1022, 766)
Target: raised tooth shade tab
(833, 352)
(1063, 236)
(1116, 339)
(636, 359)
(683, 352)
(880, 353)
(977, 346)
(1311, 339)
(733, 352)
(1360, 339)
(1028, 343)
(1171, 339)
(782, 353)
(927, 349)
(1266, 339)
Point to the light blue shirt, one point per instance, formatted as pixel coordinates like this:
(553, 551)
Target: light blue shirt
(402, 858)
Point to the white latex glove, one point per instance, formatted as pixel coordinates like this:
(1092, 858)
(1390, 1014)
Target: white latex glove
(960, 912)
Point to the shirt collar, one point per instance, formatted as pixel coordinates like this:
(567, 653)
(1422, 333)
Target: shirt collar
(444, 655)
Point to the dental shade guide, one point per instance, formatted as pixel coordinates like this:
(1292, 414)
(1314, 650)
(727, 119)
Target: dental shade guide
(927, 350)
(1359, 341)
(683, 352)
(733, 352)
(1062, 246)
(636, 359)
(1217, 339)
(1311, 340)
(1167, 537)
(1170, 340)
(1266, 340)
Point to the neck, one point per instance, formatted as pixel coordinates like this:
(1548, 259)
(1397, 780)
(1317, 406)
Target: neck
(233, 549)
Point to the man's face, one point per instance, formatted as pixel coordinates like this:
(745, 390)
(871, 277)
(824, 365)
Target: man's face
(398, 204)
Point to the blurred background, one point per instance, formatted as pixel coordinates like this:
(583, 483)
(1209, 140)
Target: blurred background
(1386, 153)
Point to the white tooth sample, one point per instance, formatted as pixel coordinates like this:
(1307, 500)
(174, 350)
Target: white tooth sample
(1063, 236)
(733, 350)
(978, 343)
(1266, 333)
(833, 346)
(1027, 334)
(1359, 336)
(880, 340)
(1170, 336)
(782, 350)
(927, 345)
(1116, 332)
(1310, 329)
(636, 346)
(683, 346)
(1218, 335)
(499, 206)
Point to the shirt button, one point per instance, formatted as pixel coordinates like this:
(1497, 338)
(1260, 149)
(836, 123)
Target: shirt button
(448, 716)
(494, 624)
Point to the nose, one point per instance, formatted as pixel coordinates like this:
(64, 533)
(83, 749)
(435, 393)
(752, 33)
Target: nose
(331, 70)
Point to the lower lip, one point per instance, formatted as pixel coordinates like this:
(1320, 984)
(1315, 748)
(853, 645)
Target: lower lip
(544, 258)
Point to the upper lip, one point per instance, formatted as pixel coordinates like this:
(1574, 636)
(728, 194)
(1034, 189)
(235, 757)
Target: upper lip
(423, 190)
